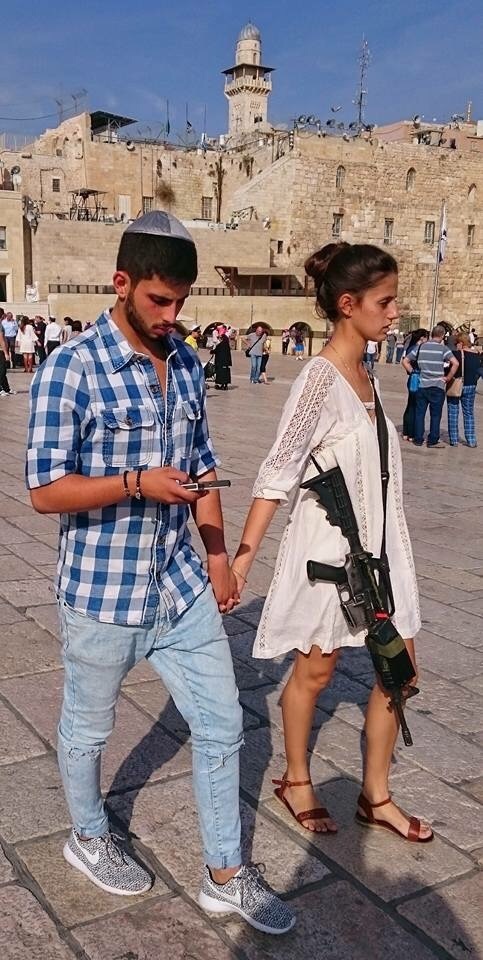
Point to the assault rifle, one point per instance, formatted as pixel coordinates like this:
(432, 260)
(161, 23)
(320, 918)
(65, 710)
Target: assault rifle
(363, 582)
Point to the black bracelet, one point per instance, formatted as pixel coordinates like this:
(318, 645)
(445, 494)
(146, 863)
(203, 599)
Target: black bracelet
(126, 487)
(138, 493)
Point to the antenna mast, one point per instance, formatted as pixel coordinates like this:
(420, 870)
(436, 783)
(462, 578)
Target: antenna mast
(361, 93)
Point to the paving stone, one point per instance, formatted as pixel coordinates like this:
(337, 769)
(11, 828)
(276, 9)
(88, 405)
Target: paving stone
(475, 788)
(334, 923)
(453, 624)
(137, 750)
(435, 748)
(474, 683)
(17, 741)
(70, 894)
(13, 568)
(46, 616)
(467, 582)
(265, 703)
(153, 931)
(263, 758)
(341, 743)
(234, 625)
(429, 551)
(38, 554)
(6, 869)
(155, 699)
(27, 932)
(451, 813)
(356, 663)
(11, 534)
(9, 614)
(448, 703)
(384, 863)
(34, 524)
(26, 649)
(447, 658)
(276, 670)
(165, 814)
(28, 593)
(452, 917)
(32, 800)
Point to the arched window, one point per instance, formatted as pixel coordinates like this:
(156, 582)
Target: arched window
(410, 179)
(472, 193)
(340, 177)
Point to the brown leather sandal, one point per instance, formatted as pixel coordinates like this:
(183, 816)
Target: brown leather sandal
(318, 813)
(369, 820)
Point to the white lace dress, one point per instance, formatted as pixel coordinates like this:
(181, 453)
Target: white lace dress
(324, 416)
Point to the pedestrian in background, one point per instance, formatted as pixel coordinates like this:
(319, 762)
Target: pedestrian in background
(26, 344)
(431, 359)
(400, 346)
(267, 346)
(391, 345)
(416, 339)
(254, 351)
(193, 337)
(10, 330)
(370, 355)
(222, 359)
(5, 390)
(285, 341)
(53, 333)
(462, 390)
(299, 344)
(40, 327)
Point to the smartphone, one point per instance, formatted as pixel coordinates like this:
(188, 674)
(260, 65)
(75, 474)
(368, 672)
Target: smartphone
(207, 485)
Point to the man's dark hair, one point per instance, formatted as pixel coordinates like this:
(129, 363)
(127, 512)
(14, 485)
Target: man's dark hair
(144, 255)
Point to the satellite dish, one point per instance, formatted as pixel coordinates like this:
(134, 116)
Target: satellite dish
(417, 120)
(130, 145)
(15, 171)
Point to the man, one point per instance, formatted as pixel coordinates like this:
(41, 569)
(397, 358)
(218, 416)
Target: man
(391, 340)
(117, 426)
(431, 359)
(285, 341)
(370, 355)
(40, 328)
(400, 345)
(53, 335)
(10, 330)
(5, 390)
(473, 337)
(193, 337)
(254, 350)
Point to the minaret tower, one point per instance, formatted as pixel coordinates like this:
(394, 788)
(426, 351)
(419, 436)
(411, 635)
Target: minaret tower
(248, 86)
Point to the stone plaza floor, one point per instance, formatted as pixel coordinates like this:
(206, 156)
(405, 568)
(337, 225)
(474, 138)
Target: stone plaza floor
(360, 895)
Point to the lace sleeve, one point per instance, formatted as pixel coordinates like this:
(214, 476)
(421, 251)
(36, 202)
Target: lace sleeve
(302, 414)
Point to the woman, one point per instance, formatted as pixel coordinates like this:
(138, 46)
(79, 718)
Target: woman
(415, 340)
(330, 414)
(299, 345)
(469, 370)
(26, 343)
(267, 346)
(222, 359)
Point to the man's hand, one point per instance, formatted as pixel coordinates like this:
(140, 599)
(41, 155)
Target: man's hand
(164, 485)
(223, 582)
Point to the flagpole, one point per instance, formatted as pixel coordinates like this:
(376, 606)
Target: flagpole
(436, 269)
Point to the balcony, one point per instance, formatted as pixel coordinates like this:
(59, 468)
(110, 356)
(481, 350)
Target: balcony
(256, 84)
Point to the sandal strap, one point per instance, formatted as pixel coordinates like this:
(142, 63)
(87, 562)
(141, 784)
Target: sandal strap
(368, 807)
(414, 828)
(292, 783)
(318, 813)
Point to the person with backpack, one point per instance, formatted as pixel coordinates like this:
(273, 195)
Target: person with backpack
(254, 351)
(417, 338)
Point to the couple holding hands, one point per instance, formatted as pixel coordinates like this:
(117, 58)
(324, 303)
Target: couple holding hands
(129, 422)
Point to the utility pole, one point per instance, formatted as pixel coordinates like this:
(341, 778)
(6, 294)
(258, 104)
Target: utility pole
(361, 92)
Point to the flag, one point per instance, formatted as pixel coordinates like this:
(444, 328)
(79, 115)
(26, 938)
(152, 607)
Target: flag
(443, 239)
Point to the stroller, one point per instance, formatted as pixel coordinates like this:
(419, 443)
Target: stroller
(209, 370)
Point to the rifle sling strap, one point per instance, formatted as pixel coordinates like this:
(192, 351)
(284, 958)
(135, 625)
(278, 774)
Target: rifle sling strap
(383, 441)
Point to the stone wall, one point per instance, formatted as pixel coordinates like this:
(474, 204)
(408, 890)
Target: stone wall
(301, 196)
(12, 263)
(72, 252)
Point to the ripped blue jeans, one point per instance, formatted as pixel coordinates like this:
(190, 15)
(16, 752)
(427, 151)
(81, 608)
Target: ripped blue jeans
(193, 658)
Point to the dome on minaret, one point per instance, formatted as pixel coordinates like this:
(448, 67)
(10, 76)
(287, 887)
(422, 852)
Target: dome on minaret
(249, 32)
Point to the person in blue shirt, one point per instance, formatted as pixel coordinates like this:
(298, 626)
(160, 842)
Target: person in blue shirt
(117, 426)
(431, 359)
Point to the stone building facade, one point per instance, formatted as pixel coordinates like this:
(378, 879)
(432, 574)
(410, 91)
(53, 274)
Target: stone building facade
(277, 194)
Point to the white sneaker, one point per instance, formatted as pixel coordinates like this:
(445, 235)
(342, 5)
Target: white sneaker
(3, 393)
(248, 895)
(104, 861)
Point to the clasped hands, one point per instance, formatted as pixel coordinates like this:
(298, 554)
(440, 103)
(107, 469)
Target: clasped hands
(227, 584)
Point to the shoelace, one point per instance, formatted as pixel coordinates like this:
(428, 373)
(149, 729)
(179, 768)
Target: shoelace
(114, 850)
